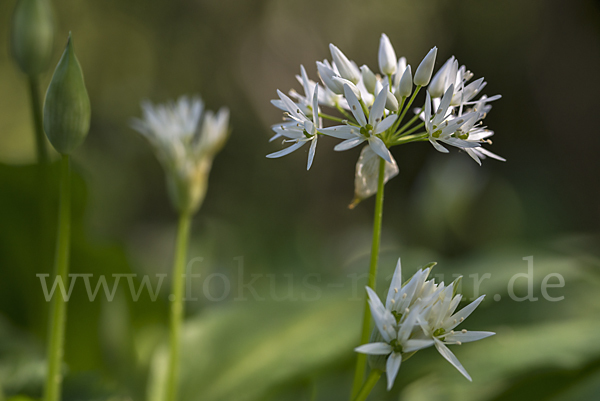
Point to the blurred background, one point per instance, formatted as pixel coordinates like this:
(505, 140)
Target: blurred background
(292, 228)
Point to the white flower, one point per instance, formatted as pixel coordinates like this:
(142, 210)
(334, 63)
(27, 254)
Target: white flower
(367, 174)
(396, 334)
(441, 127)
(439, 319)
(367, 130)
(417, 315)
(425, 69)
(301, 129)
(184, 147)
(386, 56)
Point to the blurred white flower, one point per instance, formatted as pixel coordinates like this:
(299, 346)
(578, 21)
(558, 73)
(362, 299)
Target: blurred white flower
(417, 315)
(300, 130)
(185, 139)
(347, 69)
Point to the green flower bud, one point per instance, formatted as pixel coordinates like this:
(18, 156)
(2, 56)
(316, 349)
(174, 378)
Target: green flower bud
(67, 106)
(32, 36)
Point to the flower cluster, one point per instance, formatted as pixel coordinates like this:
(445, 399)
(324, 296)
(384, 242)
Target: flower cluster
(417, 315)
(371, 108)
(185, 138)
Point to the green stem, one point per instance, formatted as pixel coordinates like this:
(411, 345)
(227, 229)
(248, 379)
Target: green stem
(336, 119)
(412, 120)
(365, 108)
(366, 389)
(410, 131)
(345, 113)
(410, 102)
(418, 137)
(361, 359)
(58, 309)
(36, 114)
(177, 307)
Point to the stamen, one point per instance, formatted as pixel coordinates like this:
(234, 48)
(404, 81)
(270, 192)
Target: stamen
(458, 343)
(396, 290)
(463, 331)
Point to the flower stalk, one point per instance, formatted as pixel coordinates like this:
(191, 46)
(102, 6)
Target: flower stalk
(58, 308)
(177, 305)
(361, 360)
(36, 116)
(366, 388)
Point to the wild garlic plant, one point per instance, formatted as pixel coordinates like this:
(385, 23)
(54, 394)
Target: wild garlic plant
(185, 138)
(369, 109)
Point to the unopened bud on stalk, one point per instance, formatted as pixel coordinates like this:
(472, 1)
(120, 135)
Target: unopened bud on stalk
(387, 56)
(67, 106)
(347, 69)
(32, 36)
(425, 69)
(369, 79)
(406, 83)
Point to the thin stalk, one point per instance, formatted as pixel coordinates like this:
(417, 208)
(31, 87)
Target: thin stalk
(365, 108)
(336, 119)
(412, 120)
(36, 115)
(410, 102)
(58, 308)
(366, 389)
(361, 359)
(418, 137)
(177, 307)
(410, 131)
(345, 113)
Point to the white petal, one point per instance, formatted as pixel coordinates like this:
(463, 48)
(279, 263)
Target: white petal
(450, 357)
(440, 114)
(315, 106)
(415, 345)
(467, 337)
(385, 124)
(341, 131)
(311, 152)
(348, 144)
(374, 349)
(355, 106)
(291, 107)
(378, 107)
(490, 154)
(379, 147)
(462, 314)
(392, 367)
(437, 146)
(395, 285)
(287, 150)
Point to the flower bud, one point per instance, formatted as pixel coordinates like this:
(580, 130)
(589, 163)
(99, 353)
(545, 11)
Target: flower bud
(346, 68)
(387, 56)
(405, 86)
(391, 103)
(340, 82)
(32, 36)
(425, 69)
(67, 105)
(327, 75)
(369, 79)
(438, 82)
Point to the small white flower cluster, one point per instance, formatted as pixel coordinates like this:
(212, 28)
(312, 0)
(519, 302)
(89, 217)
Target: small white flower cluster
(185, 139)
(372, 107)
(417, 315)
